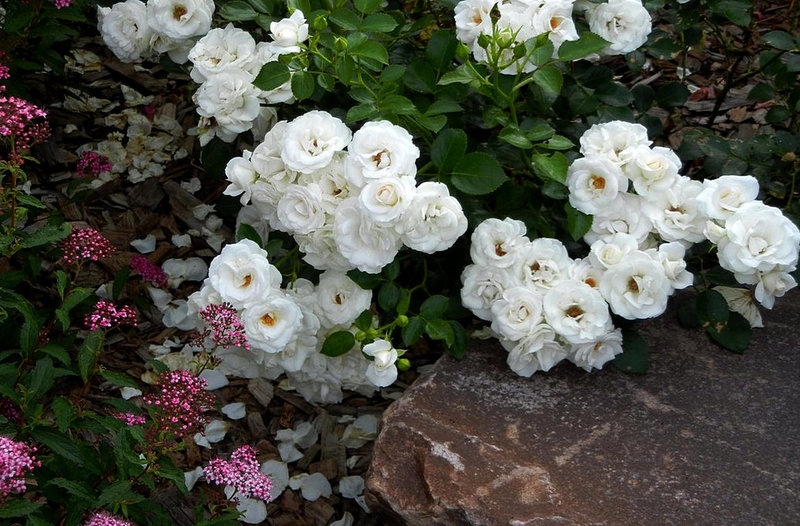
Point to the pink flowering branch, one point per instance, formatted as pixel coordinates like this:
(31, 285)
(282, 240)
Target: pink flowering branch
(241, 472)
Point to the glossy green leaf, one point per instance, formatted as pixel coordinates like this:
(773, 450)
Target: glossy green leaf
(338, 343)
(237, 11)
(712, 309)
(345, 18)
(379, 23)
(388, 296)
(440, 330)
(246, 231)
(272, 76)
(448, 147)
(303, 84)
(59, 444)
(549, 78)
(551, 166)
(477, 174)
(587, 44)
(412, 332)
(734, 334)
(635, 353)
(434, 306)
(578, 223)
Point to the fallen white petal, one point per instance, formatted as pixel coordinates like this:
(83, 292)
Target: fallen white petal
(191, 477)
(289, 453)
(214, 378)
(361, 501)
(351, 487)
(278, 473)
(234, 411)
(160, 297)
(215, 430)
(182, 240)
(129, 392)
(315, 486)
(145, 245)
(201, 441)
(346, 520)
(255, 511)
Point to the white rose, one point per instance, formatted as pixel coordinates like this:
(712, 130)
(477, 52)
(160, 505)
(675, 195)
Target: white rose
(311, 140)
(671, 256)
(759, 238)
(125, 30)
(517, 312)
(583, 270)
(365, 244)
(434, 220)
(773, 285)
(241, 273)
(594, 355)
(330, 182)
(242, 176)
(289, 32)
(652, 170)
(543, 263)
(626, 216)
(482, 286)
(624, 23)
(384, 200)
(555, 17)
(576, 312)
(473, 17)
(300, 209)
(722, 197)
(272, 323)
(614, 140)
(594, 183)
(231, 99)
(222, 50)
(340, 300)
(609, 251)
(383, 149)
(675, 214)
(637, 287)
(523, 355)
(382, 370)
(320, 251)
(496, 243)
(180, 19)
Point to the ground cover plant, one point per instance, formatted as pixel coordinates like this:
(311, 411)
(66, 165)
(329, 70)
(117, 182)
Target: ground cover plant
(201, 199)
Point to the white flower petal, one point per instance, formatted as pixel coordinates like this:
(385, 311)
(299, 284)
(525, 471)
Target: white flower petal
(215, 430)
(191, 477)
(182, 240)
(278, 473)
(255, 511)
(201, 441)
(315, 486)
(214, 378)
(346, 520)
(130, 392)
(145, 245)
(351, 487)
(234, 411)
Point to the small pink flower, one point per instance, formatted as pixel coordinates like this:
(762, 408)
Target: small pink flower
(92, 164)
(224, 325)
(86, 243)
(241, 472)
(179, 405)
(107, 315)
(16, 460)
(24, 123)
(103, 518)
(130, 418)
(149, 271)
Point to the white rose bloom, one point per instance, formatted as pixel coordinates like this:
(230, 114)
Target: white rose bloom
(340, 300)
(289, 32)
(241, 274)
(311, 140)
(330, 182)
(384, 200)
(517, 312)
(652, 170)
(607, 252)
(272, 323)
(125, 30)
(222, 50)
(543, 264)
(384, 149)
(555, 17)
(583, 270)
(382, 370)
(742, 301)
(675, 214)
(614, 140)
(523, 355)
(472, 18)
(320, 251)
(637, 287)
(594, 183)
(496, 243)
(671, 256)
(300, 209)
(722, 197)
(759, 238)
(482, 286)
(434, 220)
(242, 176)
(773, 285)
(362, 242)
(231, 99)
(624, 23)
(576, 312)
(180, 19)
(594, 355)
(626, 216)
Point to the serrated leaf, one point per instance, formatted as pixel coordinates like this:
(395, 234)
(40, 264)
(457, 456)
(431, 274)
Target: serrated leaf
(87, 355)
(463, 74)
(367, 6)
(397, 104)
(119, 379)
(114, 493)
(448, 147)
(672, 94)
(56, 351)
(371, 49)
(712, 309)
(587, 44)
(379, 23)
(29, 334)
(440, 106)
(434, 306)
(361, 112)
(549, 79)
(551, 166)
(635, 353)
(62, 281)
(734, 334)
(413, 331)
(237, 10)
(440, 330)
(338, 343)
(388, 296)
(303, 84)
(75, 297)
(345, 19)
(458, 349)
(441, 49)
(63, 411)
(42, 378)
(76, 489)
(47, 234)
(168, 470)
(477, 174)
(19, 507)
(272, 75)
(578, 223)
(59, 444)
(246, 231)
(514, 137)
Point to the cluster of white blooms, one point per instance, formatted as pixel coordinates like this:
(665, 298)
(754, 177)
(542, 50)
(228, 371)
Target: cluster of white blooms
(225, 62)
(286, 327)
(632, 188)
(349, 200)
(493, 29)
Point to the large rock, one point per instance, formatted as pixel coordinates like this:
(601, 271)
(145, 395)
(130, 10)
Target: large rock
(706, 437)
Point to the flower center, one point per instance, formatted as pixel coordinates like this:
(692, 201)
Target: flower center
(178, 11)
(598, 182)
(554, 23)
(574, 311)
(477, 20)
(633, 286)
(498, 249)
(268, 320)
(337, 299)
(591, 282)
(247, 280)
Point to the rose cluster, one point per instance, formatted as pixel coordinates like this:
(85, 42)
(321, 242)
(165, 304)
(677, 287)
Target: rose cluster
(493, 29)
(286, 327)
(349, 200)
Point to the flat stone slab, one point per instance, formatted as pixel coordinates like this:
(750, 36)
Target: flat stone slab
(706, 437)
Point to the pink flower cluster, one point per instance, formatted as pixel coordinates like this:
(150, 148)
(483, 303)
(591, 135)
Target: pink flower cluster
(22, 121)
(16, 459)
(180, 403)
(103, 518)
(9, 409)
(241, 472)
(130, 419)
(61, 4)
(149, 271)
(224, 325)
(92, 164)
(106, 315)
(86, 243)
(5, 72)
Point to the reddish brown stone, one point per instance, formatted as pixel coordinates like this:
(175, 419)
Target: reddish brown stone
(706, 437)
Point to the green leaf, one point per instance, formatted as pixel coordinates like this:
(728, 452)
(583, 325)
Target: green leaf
(78, 295)
(63, 411)
(440, 106)
(47, 234)
(737, 11)
(458, 349)
(76, 489)
(434, 123)
(338, 343)
(28, 334)
(643, 97)
(119, 379)
(61, 282)
(542, 54)
(56, 351)
(397, 104)
(734, 334)
(29, 200)
(59, 444)
(477, 174)
(413, 331)
(635, 353)
(364, 320)
(19, 507)
(448, 147)
(557, 142)
(587, 44)
(712, 309)
(345, 19)
(513, 136)
(441, 49)
(463, 74)
(120, 279)
(367, 6)
(365, 280)
(371, 49)
(549, 78)
(404, 303)
(687, 313)
(578, 223)
(551, 166)
(303, 85)
(434, 306)
(237, 10)
(379, 23)
(246, 231)
(440, 330)
(271, 76)
(388, 296)
(672, 94)
(87, 355)
(42, 378)
(168, 470)
(361, 112)
(114, 493)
